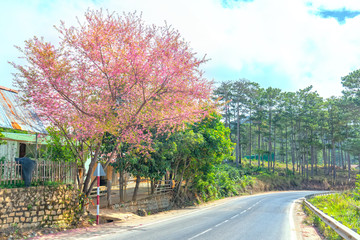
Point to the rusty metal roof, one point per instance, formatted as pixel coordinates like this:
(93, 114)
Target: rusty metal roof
(15, 116)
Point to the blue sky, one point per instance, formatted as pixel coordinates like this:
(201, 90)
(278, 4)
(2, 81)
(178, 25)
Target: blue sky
(279, 43)
(339, 14)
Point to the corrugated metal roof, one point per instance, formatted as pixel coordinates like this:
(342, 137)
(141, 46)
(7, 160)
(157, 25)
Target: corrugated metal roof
(22, 137)
(15, 116)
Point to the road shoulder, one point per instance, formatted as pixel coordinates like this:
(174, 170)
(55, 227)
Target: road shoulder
(303, 230)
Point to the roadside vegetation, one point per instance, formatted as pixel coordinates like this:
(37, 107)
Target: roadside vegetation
(344, 207)
(21, 184)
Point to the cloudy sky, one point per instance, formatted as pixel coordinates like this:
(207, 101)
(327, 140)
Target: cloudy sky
(278, 43)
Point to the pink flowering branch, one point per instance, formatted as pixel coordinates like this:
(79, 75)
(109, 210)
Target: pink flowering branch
(113, 74)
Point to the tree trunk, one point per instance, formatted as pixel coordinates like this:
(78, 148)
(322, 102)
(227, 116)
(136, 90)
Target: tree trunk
(330, 163)
(307, 166)
(152, 187)
(286, 150)
(121, 186)
(333, 158)
(138, 180)
(342, 157)
(349, 166)
(324, 158)
(274, 149)
(86, 187)
(270, 146)
(316, 162)
(312, 161)
(259, 147)
(292, 152)
(238, 158)
(240, 153)
(263, 147)
(250, 140)
(302, 164)
(178, 189)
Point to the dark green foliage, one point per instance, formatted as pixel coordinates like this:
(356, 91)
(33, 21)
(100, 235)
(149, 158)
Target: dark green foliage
(58, 149)
(223, 180)
(199, 150)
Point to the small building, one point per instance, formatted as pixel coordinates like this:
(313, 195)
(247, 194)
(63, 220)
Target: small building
(15, 116)
(22, 145)
(24, 135)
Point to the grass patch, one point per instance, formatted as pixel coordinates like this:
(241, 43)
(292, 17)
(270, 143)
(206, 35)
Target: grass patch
(21, 184)
(314, 220)
(342, 207)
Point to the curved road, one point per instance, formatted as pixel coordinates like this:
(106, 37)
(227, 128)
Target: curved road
(258, 217)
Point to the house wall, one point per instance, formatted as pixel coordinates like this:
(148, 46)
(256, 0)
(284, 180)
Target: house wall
(35, 206)
(10, 150)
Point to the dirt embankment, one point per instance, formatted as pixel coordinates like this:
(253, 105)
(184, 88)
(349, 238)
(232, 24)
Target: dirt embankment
(265, 183)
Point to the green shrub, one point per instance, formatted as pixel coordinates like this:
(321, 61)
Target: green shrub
(356, 191)
(21, 184)
(222, 181)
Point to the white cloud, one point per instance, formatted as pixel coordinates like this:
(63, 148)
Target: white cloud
(280, 34)
(335, 4)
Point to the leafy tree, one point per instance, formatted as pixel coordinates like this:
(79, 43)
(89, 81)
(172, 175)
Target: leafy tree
(112, 74)
(224, 95)
(271, 98)
(351, 83)
(199, 149)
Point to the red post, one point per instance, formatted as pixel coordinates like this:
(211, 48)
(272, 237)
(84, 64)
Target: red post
(98, 195)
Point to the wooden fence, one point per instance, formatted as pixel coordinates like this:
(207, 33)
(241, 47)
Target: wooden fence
(45, 171)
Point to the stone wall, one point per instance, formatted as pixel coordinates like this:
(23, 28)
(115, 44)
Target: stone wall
(154, 203)
(35, 206)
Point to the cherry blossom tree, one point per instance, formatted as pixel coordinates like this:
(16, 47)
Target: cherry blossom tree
(112, 74)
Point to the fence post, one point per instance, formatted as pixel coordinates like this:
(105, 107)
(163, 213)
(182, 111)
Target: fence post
(75, 172)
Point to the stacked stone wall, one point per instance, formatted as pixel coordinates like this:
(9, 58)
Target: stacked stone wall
(154, 203)
(38, 206)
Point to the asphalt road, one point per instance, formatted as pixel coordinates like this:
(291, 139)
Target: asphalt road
(257, 217)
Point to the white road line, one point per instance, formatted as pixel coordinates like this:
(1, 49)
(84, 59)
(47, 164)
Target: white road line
(200, 234)
(257, 203)
(292, 222)
(243, 212)
(234, 216)
(218, 225)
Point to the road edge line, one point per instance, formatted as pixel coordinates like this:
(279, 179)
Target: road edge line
(293, 235)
